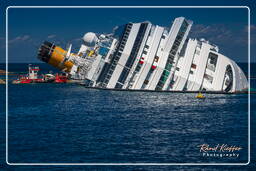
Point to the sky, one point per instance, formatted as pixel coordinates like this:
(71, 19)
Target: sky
(29, 27)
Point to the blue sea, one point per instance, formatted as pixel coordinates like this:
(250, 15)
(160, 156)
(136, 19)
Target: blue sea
(68, 123)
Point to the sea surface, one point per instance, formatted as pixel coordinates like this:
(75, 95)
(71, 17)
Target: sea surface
(68, 123)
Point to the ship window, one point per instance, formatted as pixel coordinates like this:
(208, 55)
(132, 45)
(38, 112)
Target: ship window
(174, 47)
(173, 52)
(193, 66)
(213, 58)
(144, 52)
(115, 61)
(119, 53)
(179, 38)
(108, 76)
(172, 83)
(212, 61)
(184, 26)
(111, 70)
(208, 77)
(112, 67)
(123, 75)
(228, 80)
(156, 59)
(138, 67)
(176, 42)
(146, 46)
(118, 86)
(160, 84)
(146, 82)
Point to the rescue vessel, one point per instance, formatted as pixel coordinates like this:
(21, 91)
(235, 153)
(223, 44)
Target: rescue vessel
(33, 77)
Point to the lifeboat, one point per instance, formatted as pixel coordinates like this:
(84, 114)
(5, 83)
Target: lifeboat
(200, 96)
(154, 65)
(141, 60)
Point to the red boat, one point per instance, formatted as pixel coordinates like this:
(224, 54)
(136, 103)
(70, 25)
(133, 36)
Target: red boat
(60, 78)
(32, 77)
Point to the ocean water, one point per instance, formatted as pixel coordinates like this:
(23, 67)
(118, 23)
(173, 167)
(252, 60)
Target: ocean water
(68, 123)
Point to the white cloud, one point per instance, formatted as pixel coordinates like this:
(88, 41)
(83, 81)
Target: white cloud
(219, 34)
(25, 37)
(51, 36)
(19, 39)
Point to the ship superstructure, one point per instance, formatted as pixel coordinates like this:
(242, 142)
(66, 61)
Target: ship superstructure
(144, 56)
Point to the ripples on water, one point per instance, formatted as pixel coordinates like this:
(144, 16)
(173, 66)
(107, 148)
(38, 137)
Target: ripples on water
(69, 123)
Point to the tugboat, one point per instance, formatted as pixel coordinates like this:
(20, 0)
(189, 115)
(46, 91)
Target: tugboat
(32, 77)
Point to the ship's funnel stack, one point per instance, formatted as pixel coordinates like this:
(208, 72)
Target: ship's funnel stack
(55, 56)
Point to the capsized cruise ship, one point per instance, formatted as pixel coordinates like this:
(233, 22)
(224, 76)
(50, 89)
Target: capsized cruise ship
(143, 56)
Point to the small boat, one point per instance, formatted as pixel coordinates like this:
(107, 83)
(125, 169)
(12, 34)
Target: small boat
(62, 78)
(32, 77)
(200, 96)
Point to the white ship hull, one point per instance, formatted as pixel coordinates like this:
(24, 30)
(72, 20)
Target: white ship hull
(142, 56)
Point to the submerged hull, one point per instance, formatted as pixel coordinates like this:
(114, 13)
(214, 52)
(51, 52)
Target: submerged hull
(143, 56)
